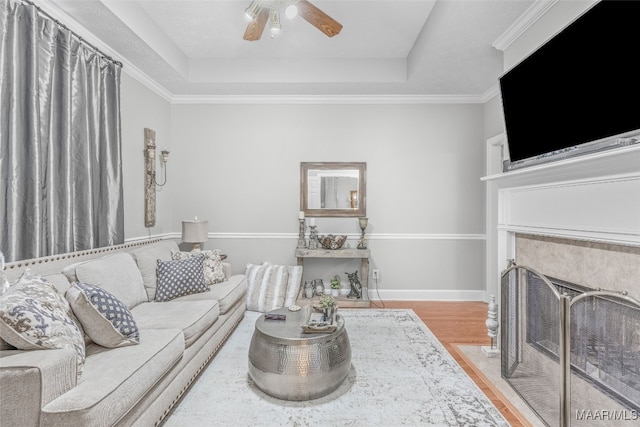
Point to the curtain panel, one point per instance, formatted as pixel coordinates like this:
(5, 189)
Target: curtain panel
(60, 139)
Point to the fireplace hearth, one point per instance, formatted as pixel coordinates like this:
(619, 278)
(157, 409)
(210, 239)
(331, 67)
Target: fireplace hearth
(570, 351)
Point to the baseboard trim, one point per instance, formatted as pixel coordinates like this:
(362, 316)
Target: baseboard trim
(426, 295)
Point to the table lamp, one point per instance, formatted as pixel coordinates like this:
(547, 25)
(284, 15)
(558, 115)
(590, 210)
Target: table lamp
(195, 232)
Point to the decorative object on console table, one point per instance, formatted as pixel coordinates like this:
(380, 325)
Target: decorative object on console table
(356, 286)
(313, 237)
(196, 232)
(332, 242)
(335, 285)
(363, 222)
(309, 289)
(301, 241)
(319, 286)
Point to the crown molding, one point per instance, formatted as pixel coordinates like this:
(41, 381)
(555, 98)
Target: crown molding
(528, 18)
(491, 93)
(327, 99)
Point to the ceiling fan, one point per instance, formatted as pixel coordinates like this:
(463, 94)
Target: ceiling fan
(261, 11)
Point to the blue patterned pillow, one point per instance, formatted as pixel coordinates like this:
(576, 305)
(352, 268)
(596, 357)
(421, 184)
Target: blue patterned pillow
(105, 318)
(180, 277)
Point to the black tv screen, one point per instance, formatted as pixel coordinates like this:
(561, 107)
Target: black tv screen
(581, 86)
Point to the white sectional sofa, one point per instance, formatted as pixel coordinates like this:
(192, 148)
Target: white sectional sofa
(129, 385)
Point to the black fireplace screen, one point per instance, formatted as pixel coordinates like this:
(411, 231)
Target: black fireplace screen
(601, 378)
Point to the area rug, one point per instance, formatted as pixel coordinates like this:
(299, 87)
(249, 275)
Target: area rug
(400, 375)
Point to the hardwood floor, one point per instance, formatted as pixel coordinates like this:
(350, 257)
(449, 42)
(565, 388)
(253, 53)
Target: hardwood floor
(459, 323)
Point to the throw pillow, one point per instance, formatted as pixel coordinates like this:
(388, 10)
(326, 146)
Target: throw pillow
(180, 277)
(266, 286)
(34, 316)
(293, 285)
(105, 318)
(213, 268)
(147, 257)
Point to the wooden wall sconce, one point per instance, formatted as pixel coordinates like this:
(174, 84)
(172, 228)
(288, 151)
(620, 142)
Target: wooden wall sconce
(150, 182)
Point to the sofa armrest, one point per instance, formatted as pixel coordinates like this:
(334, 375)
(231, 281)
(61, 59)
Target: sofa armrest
(30, 380)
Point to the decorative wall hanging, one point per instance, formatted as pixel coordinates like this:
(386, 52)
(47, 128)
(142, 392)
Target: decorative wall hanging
(150, 182)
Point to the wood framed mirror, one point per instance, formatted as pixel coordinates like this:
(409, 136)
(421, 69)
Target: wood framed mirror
(333, 189)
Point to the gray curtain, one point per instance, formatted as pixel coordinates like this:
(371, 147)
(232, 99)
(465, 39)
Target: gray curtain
(60, 148)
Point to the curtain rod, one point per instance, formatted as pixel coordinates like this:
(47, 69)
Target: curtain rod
(45, 14)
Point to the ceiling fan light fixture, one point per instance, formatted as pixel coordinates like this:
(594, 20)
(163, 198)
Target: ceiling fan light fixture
(252, 10)
(291, 11)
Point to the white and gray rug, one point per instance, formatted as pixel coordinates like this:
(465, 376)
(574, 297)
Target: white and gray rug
(400, 375)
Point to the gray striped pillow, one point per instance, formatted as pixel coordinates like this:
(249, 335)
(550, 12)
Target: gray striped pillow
(267, 286)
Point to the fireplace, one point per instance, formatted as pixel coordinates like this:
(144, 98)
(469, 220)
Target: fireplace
(577, 220)
(569, 373)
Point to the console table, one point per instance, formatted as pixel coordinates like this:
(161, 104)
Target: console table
(363, 273)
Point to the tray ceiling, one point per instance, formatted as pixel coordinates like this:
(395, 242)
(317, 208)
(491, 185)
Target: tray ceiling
(397, 47)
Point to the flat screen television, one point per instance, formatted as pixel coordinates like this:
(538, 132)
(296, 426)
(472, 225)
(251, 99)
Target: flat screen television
(582, 85)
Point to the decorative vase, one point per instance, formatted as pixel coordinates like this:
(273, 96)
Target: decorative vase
(309, 289)
(335, 292)
(319, 286)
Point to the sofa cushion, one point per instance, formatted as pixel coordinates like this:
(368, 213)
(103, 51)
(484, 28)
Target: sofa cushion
(118, 274)
(227, 293)
(34, 316)
(115, 379)
(147, 256)
(104, 318)
(213, 267)
(191, 317)
(180, 277)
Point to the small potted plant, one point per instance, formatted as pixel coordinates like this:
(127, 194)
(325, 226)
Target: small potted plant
(335, 285)
(328, 305)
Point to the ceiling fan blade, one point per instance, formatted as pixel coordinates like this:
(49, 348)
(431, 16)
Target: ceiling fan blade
(318, 18)
(256, 27)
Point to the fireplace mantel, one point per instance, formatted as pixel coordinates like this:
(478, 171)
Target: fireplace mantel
(595, 197)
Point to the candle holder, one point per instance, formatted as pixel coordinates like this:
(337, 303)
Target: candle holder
(362, 244)
(301, 242)
(313, 237)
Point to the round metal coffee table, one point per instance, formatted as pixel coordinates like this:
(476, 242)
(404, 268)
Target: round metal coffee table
(289, 364)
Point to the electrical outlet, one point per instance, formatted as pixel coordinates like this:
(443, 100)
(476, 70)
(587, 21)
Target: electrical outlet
(376, 274)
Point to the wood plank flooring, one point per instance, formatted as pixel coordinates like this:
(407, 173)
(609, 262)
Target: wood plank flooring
(458, 323)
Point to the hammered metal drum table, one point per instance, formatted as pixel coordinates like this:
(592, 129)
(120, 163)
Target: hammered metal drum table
(289, 364)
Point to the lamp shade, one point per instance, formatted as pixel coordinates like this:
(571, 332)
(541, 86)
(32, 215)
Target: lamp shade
(195, 231)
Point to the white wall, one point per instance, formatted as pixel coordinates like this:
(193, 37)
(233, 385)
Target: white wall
(239, 168)
(141, 108)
